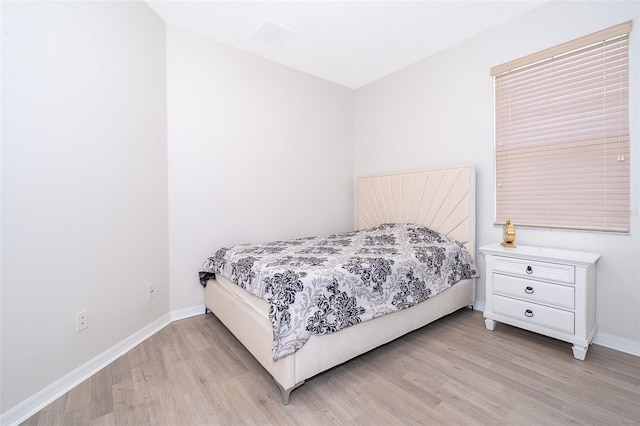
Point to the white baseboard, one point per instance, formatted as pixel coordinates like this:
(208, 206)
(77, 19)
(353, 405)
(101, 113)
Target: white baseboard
(37, 402)
(187, 312)
(618, 343)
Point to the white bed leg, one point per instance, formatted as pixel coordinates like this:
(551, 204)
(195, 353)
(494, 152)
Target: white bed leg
(287, 392)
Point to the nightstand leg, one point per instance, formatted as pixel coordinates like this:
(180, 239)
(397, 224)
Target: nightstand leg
(490, 324)
(580, 352)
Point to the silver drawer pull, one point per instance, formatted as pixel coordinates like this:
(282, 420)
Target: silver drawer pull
(528, 290)
(529, 270)
(528, 313)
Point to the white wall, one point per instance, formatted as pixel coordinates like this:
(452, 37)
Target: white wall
(84, 184)
(439, 111)
(257, 151)
(92, 213)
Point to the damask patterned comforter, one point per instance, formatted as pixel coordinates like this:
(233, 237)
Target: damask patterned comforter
(320, 285)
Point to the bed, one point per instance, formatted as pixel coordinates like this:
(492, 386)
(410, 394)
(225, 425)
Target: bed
(441, 199)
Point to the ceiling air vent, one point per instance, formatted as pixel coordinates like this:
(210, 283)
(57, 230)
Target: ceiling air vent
(274, 34)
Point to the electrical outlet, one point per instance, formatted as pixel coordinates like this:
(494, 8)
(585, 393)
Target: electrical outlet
(151, 291)
(82, 321)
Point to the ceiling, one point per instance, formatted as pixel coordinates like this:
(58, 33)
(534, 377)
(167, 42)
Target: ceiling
(351, 43)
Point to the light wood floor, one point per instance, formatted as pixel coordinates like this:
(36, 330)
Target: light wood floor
(194, 372)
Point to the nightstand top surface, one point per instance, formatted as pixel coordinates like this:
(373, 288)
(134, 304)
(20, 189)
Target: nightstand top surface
(542, 253)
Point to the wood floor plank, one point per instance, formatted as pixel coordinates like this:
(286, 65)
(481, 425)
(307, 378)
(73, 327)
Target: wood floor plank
(122, 396)
(108, 419)
(79, 397)
(101, 402)
(120, 370)
(454, 371)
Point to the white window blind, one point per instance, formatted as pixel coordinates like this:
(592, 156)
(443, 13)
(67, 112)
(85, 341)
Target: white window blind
(562, 135)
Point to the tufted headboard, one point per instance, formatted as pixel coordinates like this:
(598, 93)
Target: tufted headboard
(441, 199)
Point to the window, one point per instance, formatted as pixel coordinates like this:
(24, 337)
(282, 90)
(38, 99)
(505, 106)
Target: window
(562, 135)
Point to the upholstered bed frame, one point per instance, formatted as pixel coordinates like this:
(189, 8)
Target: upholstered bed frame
(442, 199)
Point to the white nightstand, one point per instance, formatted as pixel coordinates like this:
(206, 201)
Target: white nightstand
(547, 291)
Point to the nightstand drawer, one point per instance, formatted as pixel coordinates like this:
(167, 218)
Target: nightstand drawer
(532, 269)
(558, 295)
(533, 313)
